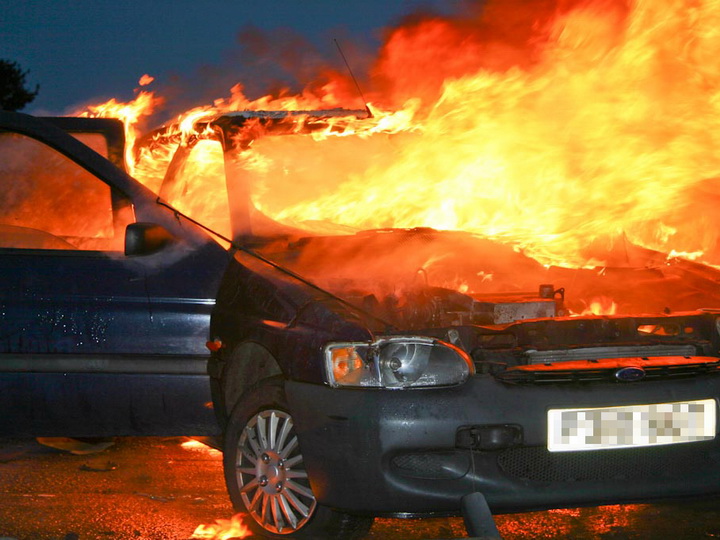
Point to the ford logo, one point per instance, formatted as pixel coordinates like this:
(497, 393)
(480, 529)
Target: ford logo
(629, 374)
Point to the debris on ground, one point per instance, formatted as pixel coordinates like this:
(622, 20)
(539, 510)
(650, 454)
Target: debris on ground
(78, 446)
(106, 467)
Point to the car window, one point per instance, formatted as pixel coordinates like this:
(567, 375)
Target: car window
(47, 201)
(199, 189)
(96, 141)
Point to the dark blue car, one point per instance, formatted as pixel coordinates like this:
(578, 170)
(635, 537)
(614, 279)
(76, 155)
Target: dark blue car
(397, 372)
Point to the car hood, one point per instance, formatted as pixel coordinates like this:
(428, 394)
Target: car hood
(421, 278)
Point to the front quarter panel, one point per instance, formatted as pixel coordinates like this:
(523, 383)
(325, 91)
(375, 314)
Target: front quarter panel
(293, 321)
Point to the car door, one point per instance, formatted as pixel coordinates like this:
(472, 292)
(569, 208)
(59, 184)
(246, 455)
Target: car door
(80, 351)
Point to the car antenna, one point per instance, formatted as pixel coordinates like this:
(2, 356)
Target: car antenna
(178, 214)
(352, 75)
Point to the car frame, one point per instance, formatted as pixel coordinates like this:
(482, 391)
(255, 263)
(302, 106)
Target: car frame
(322, 432)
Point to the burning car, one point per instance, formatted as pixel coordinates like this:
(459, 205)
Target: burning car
(393, 371)
(412, 372)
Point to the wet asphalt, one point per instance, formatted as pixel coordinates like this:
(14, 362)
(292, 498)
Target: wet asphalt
(164, 488)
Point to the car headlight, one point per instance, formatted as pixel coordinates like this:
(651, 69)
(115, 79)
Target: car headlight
(396, 362)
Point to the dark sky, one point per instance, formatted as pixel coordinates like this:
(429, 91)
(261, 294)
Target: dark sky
(84, 51)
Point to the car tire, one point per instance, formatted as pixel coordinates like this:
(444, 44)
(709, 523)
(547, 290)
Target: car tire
(265, 474)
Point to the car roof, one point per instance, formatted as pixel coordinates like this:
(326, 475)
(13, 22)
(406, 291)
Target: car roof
(319, 113)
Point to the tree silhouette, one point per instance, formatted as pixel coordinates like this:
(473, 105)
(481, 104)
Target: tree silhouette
(13, 94)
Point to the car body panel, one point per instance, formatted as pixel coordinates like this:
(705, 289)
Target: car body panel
(132, 403)
(96, 343)
(394, 452)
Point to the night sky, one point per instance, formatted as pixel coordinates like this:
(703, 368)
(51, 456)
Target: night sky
(86, 51)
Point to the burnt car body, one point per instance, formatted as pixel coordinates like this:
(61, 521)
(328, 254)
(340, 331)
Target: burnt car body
(353, 377)
(415, 439)
(105, 296)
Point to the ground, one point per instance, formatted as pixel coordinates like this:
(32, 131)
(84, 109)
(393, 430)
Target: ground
(156, 488)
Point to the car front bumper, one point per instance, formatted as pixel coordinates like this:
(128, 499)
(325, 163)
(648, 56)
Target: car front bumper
(393, 452)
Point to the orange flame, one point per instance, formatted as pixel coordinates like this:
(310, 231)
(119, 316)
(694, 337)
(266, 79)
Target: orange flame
(557, 128)
(606, 134)
(146, 79)
(601, 305)
(130, 113)
(223, 529)
(197, 446)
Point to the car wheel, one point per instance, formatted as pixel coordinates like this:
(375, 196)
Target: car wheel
(266, 476)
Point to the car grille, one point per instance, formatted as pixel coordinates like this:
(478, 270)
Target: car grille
(605, 374)
(589, 353)
(540, 465)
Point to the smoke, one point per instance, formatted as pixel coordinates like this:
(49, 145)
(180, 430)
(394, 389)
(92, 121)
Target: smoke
(425, 51)
(562, 125)
(277, 63)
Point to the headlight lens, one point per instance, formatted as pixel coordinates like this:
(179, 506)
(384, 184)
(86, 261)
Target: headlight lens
(396, 362)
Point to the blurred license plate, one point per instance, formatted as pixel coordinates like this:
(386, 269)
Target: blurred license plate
(631, 426)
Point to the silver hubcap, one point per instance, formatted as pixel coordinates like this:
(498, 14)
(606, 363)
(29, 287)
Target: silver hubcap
(271, 475)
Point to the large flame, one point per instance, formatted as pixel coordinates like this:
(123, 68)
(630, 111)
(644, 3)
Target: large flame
(567, 129)
(144, 104)
(610, 133)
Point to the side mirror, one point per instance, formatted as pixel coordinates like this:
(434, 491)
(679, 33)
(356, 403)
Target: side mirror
(146, 238)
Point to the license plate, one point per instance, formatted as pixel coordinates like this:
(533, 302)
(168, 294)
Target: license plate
(631, 426)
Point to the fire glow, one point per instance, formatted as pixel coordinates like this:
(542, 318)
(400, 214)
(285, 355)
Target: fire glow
(594, 121)
(197, 446)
